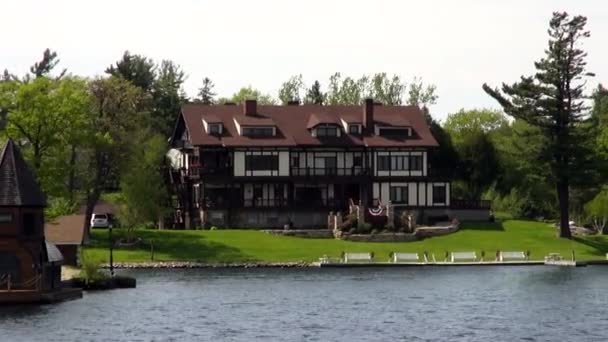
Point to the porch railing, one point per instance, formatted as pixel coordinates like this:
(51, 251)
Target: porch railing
(329, 171)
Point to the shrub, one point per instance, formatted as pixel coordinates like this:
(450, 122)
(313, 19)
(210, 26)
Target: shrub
(90, 270)
(364, 228)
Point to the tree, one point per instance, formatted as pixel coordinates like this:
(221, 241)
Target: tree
(552, 100)
(205, 93)
(347, 91)
(142, 184)
(478, 163)
(249, 93)
(139, 70)
(314, 94)
(48, 62)
(292, 90)
(597, 209)
(421, 95)
(386, 90)
(115, 114)
(167, 96)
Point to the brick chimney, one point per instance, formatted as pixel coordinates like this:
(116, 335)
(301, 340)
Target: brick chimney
(250, 107)
(368, 115)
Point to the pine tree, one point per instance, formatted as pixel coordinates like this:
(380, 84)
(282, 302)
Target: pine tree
(205, 93)
(553, 100)
(314, 94)
(48, 62)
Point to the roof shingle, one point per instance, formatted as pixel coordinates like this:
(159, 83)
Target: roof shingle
(18, 186)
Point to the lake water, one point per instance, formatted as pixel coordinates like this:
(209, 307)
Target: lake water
(409, 304)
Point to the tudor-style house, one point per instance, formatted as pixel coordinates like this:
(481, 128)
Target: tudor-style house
(265, 166)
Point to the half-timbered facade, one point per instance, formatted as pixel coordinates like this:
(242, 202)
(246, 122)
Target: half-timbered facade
(265, 166)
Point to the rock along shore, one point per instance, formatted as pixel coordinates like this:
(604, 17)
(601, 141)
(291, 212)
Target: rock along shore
(193, 264)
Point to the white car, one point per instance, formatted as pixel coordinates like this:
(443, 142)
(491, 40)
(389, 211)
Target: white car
(100, 221)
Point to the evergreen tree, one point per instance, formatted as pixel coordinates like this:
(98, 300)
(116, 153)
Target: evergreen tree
(139, 70)
(552, 100)
(205, 93)
(314, 94)
(48, 62)
(167, 97)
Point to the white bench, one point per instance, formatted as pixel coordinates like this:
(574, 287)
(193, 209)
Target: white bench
(512, 255)
(463, 256)
(357, 257)
(405, 257)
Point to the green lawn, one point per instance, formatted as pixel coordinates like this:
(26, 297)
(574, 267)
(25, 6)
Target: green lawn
(220, 246)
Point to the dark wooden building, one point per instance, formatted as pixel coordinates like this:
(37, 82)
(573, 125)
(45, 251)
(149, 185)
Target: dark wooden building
(27, 261)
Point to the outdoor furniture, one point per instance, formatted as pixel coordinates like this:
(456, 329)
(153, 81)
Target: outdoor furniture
(463, 256)
(512, 256)
(404, 257)
(357, 257)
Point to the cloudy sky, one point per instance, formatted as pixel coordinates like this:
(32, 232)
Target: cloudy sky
(457, 45)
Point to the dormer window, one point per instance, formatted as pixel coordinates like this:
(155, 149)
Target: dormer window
(327, 131)
(354, 129)
(215, 129)
(395, 132)
(258, 131)
(212, 126)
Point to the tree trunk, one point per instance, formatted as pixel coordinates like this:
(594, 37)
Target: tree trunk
(92, 199)
(72, 174)
(564, 219)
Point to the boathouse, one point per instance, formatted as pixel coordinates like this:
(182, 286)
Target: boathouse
(30, 267)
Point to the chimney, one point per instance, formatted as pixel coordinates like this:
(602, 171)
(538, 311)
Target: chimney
(368, 115)
(294, 102)
(250, 107)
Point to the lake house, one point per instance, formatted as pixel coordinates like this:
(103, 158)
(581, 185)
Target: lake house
(254, 165)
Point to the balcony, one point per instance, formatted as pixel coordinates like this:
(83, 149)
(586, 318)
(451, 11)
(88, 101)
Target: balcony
(329, 171)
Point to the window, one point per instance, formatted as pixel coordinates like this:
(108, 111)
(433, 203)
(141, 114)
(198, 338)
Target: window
(327, 131)
(295, 160)
(384, 163)
(255, 163)
(258, 132)
(439, 194)
(416, 163)
(331, 165)
(394, 132)
(30, 223)
(6, 217)
(353, 129)
(399, 163)
(399, 194)
(215, 129)
(357, 161)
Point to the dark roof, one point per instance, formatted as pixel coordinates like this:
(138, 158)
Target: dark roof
(18, 186)
(292, 124)
(65, 230)
(251, 120)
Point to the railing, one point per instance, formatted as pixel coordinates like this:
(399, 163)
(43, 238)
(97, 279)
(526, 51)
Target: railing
(329, 171)
(265, 203)
(470, 204)
(197, 171)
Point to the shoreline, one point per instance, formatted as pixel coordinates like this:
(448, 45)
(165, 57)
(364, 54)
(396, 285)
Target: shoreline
(302, 264)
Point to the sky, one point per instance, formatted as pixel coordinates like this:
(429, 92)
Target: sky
(456, 45)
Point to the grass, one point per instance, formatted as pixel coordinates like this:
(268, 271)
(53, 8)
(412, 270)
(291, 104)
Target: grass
(233, 246)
